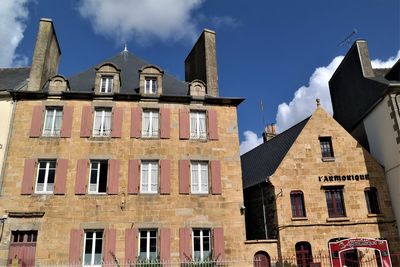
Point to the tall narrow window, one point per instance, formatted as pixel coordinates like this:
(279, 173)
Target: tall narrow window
(201, 244)
(326, 147)
(150, 85)
(199, 179)
(148, 244)
(371, 197)
(150, 123)
(98, 176)
(149, 177)
(297, 203)
(106, 84)
(102, 122)
(303, 254)
(52, 121)
(93, 247)
(198, 129)
(335, 202)
(45, 176)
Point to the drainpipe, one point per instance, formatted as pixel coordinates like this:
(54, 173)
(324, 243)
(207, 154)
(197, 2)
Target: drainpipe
(264, 215)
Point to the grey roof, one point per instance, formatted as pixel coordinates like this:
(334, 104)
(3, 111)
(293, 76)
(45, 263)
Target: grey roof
(12, 78)
(129, 64)
(261, 162)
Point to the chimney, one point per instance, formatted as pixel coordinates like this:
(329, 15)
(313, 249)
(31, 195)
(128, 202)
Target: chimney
(201, 63)
(269, 132)
(46, 56)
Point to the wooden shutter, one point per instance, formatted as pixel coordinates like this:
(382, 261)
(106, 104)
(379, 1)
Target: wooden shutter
(86, 121)
(184, 176)
(212, 124)
(165, 123)
(117, 119)
(81, 177)
(61, 176)
(185, 247)
(184, 127)
(109, 246)
(133, 176)
(113, 177)
(131, 242)
(27, 179)
(75, 242)
(67, 121)
(136, 120)
(165, 176)
(218, 244)
(216, 177)
(37, 121)
(165, 244)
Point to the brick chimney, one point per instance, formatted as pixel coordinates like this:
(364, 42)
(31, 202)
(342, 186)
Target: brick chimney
(201, 63)
(46, 56)
(269, 132)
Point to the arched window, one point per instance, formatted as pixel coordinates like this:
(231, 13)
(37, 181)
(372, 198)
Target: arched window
(371, 196)
(303, 254)
(261, 259)
(297, 203)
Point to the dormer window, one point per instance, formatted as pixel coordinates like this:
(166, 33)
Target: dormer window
(106, 84)
(108, 79)
(150, 85)
(150, 80)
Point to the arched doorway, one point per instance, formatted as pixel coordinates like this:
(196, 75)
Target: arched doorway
(261, 259)
(303, 254)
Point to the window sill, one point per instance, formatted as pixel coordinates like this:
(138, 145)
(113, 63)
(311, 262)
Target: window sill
(299, 218)
(151, 137)
(338, 219)
(96, 194)
(375, 215)
(100, 138)
(328, 159)
(200, 194)
(261, 241)
(50, 136)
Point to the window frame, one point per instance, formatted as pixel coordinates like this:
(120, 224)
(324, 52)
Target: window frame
(148, 247)
(196, 134)
(152, 113)
(46, 176)
(153, 84)
(201, 179)
(103, 132)
(98, 176)
(371, 194)
(304, 255)
(94, 237)
(325, 143)
(335, 209)
(201, 237)
(149, 164)
(297, 204)
(108, 88)
(53, 131)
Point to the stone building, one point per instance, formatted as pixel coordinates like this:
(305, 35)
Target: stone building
(311, 186)
(122, 162)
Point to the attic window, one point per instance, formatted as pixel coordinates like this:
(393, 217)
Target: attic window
(150, 85)
(106, 84)
(326, 147)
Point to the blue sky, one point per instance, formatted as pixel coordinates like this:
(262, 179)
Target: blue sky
(267, 50)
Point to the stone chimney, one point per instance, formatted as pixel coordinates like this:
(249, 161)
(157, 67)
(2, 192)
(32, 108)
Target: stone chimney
(46, 56)
(201, 63)
(269, 132)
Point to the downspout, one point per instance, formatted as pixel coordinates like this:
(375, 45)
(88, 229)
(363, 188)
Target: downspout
(264, 215)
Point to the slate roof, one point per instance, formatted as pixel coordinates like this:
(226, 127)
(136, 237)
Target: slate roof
(129, 64)
(12, 78)
(261, 162)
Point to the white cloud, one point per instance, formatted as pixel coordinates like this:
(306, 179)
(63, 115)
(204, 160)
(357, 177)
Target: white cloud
(13, 16)
(250, 142)
(124, 20)
(379, 64)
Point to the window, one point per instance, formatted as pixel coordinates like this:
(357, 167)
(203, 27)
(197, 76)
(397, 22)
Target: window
(52, 121)
(371, 197)
(326, 147)
(303, 254)
(23, 236)
(297, 203)
(98, 176)
(150, 123)
(149, 177)
(335, 202)
(106, 84)
(93, 247)
(198, 125)
(148, 244)
(102, 122)
(150, 85)
(201, 244)
(199, 179)
(45, 176)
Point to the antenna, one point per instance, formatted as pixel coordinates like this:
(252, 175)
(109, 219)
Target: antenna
(348, 40)
(262, 113)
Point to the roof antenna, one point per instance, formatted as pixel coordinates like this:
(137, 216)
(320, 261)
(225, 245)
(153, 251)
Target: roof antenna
(262, 112)
(348, 40)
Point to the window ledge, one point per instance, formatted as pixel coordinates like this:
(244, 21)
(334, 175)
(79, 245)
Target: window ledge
(374, 215)
(328, 159)
(299, 218)
(261, 241)
(100, 138)
(50, 136)
(151, 137)
(338, 219)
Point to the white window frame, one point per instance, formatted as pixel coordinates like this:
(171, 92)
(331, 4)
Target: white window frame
(103, 131)
(151, 81)
(202, 179)
(52, 131)
(195, 132)
(92, 263)
(98, 163)
(202, 242)
(46, 177)
(152, 114)
(143, 179)
(108, 80)
(147, 242)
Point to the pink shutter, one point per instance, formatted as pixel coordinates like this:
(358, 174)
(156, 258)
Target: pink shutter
(136, 120)
(165, 247)
(113, 177)
(37, 121)
(185, 247)
(109, 246)
(215, 177)
(117, 118)
(133, 176)
(218, 244)
(165, 176)
(81, 177)
(67, 121)
(27, 179)
(184, 175)
(75, 247)
(131, 242)
(61, 176)
(184, 124)
(87, 121)
(212, 124)
(165, 123)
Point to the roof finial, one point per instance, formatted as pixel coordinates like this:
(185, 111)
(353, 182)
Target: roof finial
(318, 102)
(125, 48)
